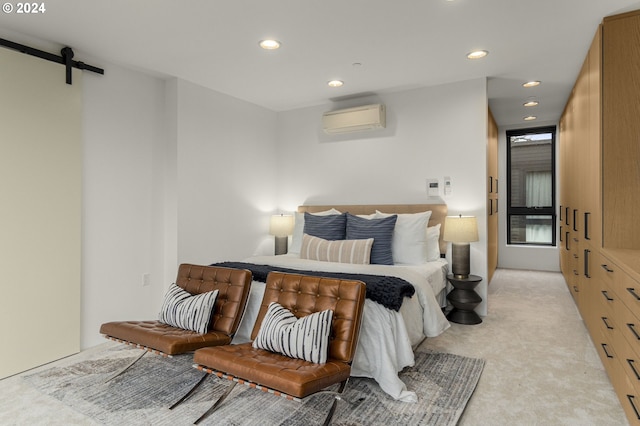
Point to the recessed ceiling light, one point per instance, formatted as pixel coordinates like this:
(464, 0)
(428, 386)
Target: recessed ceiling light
(477, 54)
(531, 84)
(531, 103)
(335, 83)
(269, 44)
(530, 118)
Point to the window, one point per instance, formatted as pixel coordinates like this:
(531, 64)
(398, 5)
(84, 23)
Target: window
(531, 186)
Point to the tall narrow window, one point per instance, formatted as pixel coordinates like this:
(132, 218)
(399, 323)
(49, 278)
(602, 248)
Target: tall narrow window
(531, 186)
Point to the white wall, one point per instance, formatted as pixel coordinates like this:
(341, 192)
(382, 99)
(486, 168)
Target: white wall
(174, 173)
(519, 256)
(431, 132)
(226, 175)
(123, 222)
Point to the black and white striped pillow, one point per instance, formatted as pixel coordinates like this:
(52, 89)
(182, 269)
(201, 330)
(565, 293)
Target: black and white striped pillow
(187, 311)
(306, 338)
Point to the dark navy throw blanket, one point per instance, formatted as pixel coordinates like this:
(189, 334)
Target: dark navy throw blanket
(388, 291)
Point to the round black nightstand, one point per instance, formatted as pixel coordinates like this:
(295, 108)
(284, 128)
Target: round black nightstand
(464, 299)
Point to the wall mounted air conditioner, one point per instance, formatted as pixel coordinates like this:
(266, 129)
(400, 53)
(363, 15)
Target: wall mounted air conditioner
(366, 117)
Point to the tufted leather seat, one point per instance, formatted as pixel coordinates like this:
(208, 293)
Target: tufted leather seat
(302, 295)
(233, 289)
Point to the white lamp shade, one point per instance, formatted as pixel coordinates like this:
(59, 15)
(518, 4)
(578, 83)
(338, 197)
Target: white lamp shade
(460, 229)
(281, 225)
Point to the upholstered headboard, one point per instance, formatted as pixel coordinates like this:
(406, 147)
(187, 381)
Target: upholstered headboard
(438, 213)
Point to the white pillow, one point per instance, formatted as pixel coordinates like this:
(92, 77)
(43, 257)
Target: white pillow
(433, 243)
(409, 242)
(367, 216)
(340, 251)
(187, 311)
(298, 229)
(306, 338)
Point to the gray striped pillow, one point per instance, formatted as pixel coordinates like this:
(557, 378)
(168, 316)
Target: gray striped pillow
(187, 311)
(381, 230)
(305, 338)
(330, 227)
(341, 251)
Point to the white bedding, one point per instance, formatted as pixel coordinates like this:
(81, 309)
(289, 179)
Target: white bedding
(387, 337)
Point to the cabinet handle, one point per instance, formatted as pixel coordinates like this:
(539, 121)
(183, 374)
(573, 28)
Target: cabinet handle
(631, 398)
(560, 213)
(587, 215)
(566, 216)
(631, 362)
(604, 320)
(561, 240)
(566, 240)
(606, 296)
(606, 268)
(575, 213)
(633, 293)
(633, 330)
(604, 348)
(586, 263)
(576, 289)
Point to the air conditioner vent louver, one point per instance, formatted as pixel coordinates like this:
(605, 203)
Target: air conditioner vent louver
(366, 117)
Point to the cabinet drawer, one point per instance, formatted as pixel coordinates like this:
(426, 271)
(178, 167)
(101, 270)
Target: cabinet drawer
(628, 290)
(629, 327)
(629, 360)
(627, 394)
(625, 287)
(603, 340)
(606, 301)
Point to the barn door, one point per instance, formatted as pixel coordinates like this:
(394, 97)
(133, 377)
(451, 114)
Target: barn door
(40, 212)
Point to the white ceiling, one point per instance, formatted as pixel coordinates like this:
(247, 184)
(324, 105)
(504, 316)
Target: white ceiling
(400, 44)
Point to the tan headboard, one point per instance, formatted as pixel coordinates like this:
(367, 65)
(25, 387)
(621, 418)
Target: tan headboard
(438, 213)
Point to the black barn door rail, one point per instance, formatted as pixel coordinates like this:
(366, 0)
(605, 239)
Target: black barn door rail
(65, 59)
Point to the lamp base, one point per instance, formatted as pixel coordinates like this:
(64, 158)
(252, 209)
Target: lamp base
(281, 245)
(460, 259)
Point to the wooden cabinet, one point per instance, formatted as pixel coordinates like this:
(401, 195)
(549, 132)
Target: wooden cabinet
(621, 130)
(492, 197)
(620, 274)
(579, 172)
(599, 171)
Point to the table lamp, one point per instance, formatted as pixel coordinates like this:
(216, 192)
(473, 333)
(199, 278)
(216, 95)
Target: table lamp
(460, 231)
(281, 226)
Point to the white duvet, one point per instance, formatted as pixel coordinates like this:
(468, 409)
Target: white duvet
(387, 337)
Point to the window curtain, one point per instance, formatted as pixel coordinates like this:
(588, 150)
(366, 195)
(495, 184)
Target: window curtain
(538, 233)
(538, 189)
(538, 194)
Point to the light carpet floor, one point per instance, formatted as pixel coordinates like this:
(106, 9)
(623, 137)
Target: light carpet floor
(540, 365)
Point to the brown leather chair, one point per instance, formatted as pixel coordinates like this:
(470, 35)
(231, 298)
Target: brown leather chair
(153, 336)
(289, 377)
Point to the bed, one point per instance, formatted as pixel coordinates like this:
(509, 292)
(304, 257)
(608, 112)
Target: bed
(389, 334)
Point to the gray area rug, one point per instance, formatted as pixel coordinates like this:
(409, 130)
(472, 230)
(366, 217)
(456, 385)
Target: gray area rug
(443, 382)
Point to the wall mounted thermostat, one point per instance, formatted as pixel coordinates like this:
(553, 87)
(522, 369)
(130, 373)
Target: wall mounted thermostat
(433, 187)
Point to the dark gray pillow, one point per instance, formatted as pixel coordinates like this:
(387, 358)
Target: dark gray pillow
(381, 230)
(330, 227)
